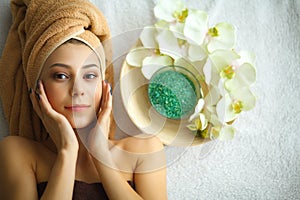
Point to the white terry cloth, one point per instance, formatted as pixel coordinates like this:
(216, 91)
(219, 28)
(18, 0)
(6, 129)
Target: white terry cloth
(263, 159)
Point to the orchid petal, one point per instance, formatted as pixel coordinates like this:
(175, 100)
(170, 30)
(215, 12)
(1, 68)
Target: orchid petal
(245, 76)
(196, 53)
(190, 66)
(161, 25)
(224, 109)
(192, 127)
(168, 44)
(203, 121)
(147, 37)
(223, 58)
(164, 9)
(177, 30)
(196, 26)
(222, 87)
(207, 70)
(246, 97)
(198, 108)
(225, 38)
(226, 133)
(213, 96)
(214, 132)
(214, 120)
(136, 56)
(153, 63)
(246, 57)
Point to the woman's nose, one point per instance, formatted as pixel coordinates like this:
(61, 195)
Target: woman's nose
(77, 89)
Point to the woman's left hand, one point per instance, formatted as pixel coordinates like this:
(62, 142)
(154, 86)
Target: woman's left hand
(97, 140)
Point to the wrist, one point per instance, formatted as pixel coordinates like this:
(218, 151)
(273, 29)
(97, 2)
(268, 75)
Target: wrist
(70, 145)
(69, 153)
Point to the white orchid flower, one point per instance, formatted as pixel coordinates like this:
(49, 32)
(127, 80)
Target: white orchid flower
(198, 119)
(222, 36)
(232, 104)
(170, 10)
(198, 124)
(234, 75)
(245, 72)
(182, 37)
(219, 130)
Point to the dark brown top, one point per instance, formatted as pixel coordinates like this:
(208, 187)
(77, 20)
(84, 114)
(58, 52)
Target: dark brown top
(82, 190)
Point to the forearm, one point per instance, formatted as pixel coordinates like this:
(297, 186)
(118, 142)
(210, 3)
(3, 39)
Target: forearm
(61, 181)
(114, 183)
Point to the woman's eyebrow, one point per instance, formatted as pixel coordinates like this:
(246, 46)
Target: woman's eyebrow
(90, 65)
(59, 65)
(68, 66)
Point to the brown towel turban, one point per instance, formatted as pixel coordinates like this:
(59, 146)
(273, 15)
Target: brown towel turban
(38, 27)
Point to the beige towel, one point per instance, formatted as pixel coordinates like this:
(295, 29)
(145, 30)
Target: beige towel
(38, 27)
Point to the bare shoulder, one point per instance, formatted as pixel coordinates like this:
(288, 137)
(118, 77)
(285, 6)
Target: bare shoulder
(17, 166)
(16, 151)
(16, 145)
(142, 143)
(144, 152)
(148, 161)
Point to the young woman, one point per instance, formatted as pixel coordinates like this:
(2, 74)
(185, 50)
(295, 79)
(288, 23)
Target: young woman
(74, 104)
(69, 92)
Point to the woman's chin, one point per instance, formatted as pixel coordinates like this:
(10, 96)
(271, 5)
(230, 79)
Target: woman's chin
(79, 124)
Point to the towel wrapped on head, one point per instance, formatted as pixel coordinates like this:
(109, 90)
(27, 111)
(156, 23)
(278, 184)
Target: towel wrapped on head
(38, 28)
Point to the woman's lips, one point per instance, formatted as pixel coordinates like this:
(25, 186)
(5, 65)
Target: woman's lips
(77, 108)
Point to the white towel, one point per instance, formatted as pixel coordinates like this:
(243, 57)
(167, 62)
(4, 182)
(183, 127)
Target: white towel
(263, 160)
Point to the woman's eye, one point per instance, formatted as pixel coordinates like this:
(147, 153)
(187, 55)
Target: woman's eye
(90, 76)
(60, 76)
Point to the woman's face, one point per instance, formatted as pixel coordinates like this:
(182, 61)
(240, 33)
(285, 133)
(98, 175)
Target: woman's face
(72, 80)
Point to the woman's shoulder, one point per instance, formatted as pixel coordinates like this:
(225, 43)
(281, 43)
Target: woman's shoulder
(21, 149)
(18, 144)
(16, 157)
(145, 151)
(142, 143)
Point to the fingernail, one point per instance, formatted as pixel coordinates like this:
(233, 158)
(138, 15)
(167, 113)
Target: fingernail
(110, 88)
(37, 96)
(38, 83)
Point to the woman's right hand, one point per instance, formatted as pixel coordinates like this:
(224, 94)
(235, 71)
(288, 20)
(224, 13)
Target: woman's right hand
(57, 125)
